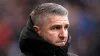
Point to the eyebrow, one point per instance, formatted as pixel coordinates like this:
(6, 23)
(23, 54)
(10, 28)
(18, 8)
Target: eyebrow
(60, 25)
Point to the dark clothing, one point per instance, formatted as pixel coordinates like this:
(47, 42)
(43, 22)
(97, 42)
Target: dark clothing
(31, 44)
(69, 54)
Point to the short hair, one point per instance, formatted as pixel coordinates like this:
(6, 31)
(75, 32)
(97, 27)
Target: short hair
(40, 13)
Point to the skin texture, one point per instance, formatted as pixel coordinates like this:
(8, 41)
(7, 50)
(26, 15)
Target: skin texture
(54, 30)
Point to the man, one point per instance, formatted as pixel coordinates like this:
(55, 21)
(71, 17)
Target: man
(46, 32)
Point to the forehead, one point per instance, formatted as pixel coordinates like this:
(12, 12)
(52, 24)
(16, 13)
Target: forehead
(56, 19)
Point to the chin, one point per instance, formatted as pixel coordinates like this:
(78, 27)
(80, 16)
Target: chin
(60, 44)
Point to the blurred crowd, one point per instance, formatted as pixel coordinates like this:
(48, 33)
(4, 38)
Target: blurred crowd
(84, 17)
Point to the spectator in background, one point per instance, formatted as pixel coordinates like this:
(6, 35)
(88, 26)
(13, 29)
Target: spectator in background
(5, 37)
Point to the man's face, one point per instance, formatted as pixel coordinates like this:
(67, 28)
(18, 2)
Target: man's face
(55, 30)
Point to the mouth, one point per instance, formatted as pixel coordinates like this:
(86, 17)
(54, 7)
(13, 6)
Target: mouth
(61, 41)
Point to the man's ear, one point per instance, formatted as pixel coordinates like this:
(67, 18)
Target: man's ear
(36, 28)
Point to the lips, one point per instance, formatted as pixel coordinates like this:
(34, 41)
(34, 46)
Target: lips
(61, 41)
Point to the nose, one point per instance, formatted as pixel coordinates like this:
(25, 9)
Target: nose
(63, 33)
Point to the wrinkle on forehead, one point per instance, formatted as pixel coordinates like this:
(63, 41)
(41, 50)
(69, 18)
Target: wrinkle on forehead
(57, 18)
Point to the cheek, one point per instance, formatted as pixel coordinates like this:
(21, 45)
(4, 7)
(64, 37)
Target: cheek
(53, 35)
(49, 35)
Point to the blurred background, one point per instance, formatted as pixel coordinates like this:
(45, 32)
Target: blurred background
(84, 17)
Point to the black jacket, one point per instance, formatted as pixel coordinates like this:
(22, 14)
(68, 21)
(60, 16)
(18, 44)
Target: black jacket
(31, 44)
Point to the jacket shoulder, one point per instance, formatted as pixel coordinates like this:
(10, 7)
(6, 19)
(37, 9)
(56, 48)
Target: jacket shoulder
(71, 54)
(22, 55)
(25, 55)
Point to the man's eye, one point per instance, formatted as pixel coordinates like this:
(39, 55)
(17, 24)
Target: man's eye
(55, 28)
(66, 27)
